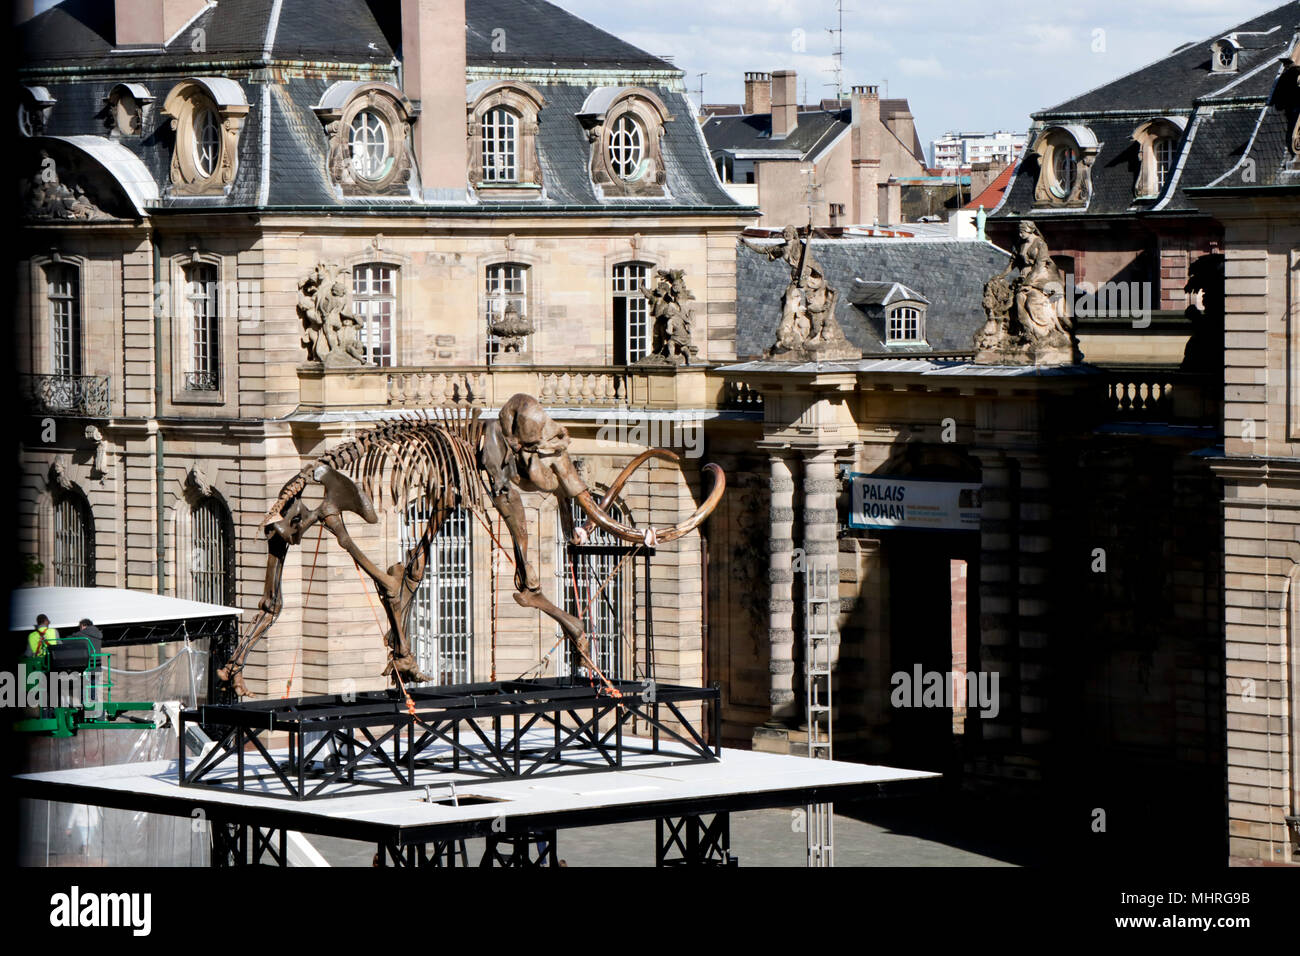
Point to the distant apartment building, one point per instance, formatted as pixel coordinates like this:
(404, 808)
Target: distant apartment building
(831, 164)
(965, 149)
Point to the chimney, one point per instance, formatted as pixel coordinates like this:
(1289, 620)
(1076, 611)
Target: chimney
(433, 77)
(889, 203)
(866, 149)
(758, 93)
(151, 23)
(785, 104)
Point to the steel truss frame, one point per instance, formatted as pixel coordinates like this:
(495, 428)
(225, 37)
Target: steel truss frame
(484, 730)
(691, 841)
(231, 845)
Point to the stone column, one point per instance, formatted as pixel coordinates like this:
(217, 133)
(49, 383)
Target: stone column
(783, 701)
(820, 532)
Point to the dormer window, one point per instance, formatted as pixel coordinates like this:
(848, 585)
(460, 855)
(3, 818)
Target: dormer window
(905, 324)
(502, 123)
(206, 115)
(125, 108)
(1223, 55)
(1157, 142)
(626, 128)
(368, 125)
(34, 104)
(1065, 158)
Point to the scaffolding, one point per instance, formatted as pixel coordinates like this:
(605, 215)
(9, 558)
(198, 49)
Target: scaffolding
(821, 600)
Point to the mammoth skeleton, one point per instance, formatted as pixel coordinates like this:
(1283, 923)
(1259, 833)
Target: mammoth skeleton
(446, 462)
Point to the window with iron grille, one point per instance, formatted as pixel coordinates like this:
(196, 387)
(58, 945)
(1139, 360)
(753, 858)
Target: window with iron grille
(904, 324)
(374, 302)
(211, 556)
(64, 292)
(505, 284)
(631, 312)
(74, 542)
(608, 623)
(207, 142)
(201, 299)
(441, 625)
(500, 139)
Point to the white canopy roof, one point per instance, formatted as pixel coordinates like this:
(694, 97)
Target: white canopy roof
(65, 607)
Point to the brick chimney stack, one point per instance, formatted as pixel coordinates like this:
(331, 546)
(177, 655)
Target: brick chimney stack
(758, 93)
(433, 77)
(151, 23)
(785, 104)
(866, 149)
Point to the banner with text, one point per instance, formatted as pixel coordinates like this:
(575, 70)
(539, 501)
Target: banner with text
(908, 503)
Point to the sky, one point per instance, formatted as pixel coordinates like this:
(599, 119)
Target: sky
(961, 64)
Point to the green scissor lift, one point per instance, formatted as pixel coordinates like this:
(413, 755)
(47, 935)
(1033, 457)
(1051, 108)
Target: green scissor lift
(97, 708)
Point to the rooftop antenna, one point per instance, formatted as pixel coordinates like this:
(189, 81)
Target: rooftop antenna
(701, 76)
(837, 54)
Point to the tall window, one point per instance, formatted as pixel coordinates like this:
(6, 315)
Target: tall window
(500, 139)
(74, 542)
(374, 300)
(904, 324)
(64, 291)
(506, 284)
(207, 142)
(631, 312)
(204, 372)
(607, 622)
(212, 553)
(368, 138)
(441, 626)
(1164, 150)
(1065, 162)
(626, 147)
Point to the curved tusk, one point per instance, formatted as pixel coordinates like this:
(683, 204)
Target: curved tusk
(653, 536)
(612, 494)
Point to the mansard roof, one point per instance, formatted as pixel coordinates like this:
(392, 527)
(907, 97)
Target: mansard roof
(949, 274)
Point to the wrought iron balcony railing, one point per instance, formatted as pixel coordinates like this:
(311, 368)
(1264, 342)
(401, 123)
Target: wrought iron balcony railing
(84, 395)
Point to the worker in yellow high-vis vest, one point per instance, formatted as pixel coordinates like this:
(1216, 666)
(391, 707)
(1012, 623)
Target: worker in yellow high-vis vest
(39, 640)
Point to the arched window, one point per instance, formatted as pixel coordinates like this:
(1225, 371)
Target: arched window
(212, 552)
(207, 142)
(74, 541)
(63, 289)
(202, 304)
(1065, 158)
(374, 303)
(368, 139)
(1065, 163)
(608, 622)
(627, 148)
(441, 625)
(500, 130)
(631, 312)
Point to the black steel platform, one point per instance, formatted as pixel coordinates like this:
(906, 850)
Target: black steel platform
(343, 744)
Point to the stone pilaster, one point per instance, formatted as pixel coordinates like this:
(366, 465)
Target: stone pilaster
(784, 703)
(820, 531)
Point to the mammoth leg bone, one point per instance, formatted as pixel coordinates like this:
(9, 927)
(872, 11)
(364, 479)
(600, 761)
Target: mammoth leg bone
(268, 609)
(528, 588)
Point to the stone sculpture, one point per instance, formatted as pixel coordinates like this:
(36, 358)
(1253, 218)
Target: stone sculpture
(1026, 321)
(673, 320)
(447, 461)
(511, 329)
(331, 334)
(808, 330)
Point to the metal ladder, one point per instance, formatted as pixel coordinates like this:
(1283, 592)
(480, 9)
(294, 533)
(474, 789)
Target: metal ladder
(821, 600)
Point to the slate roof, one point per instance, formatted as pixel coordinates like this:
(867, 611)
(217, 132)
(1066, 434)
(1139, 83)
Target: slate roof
(949, 273)
(1227, 115)
(349, 36)
(349, 31)
(815, 130)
